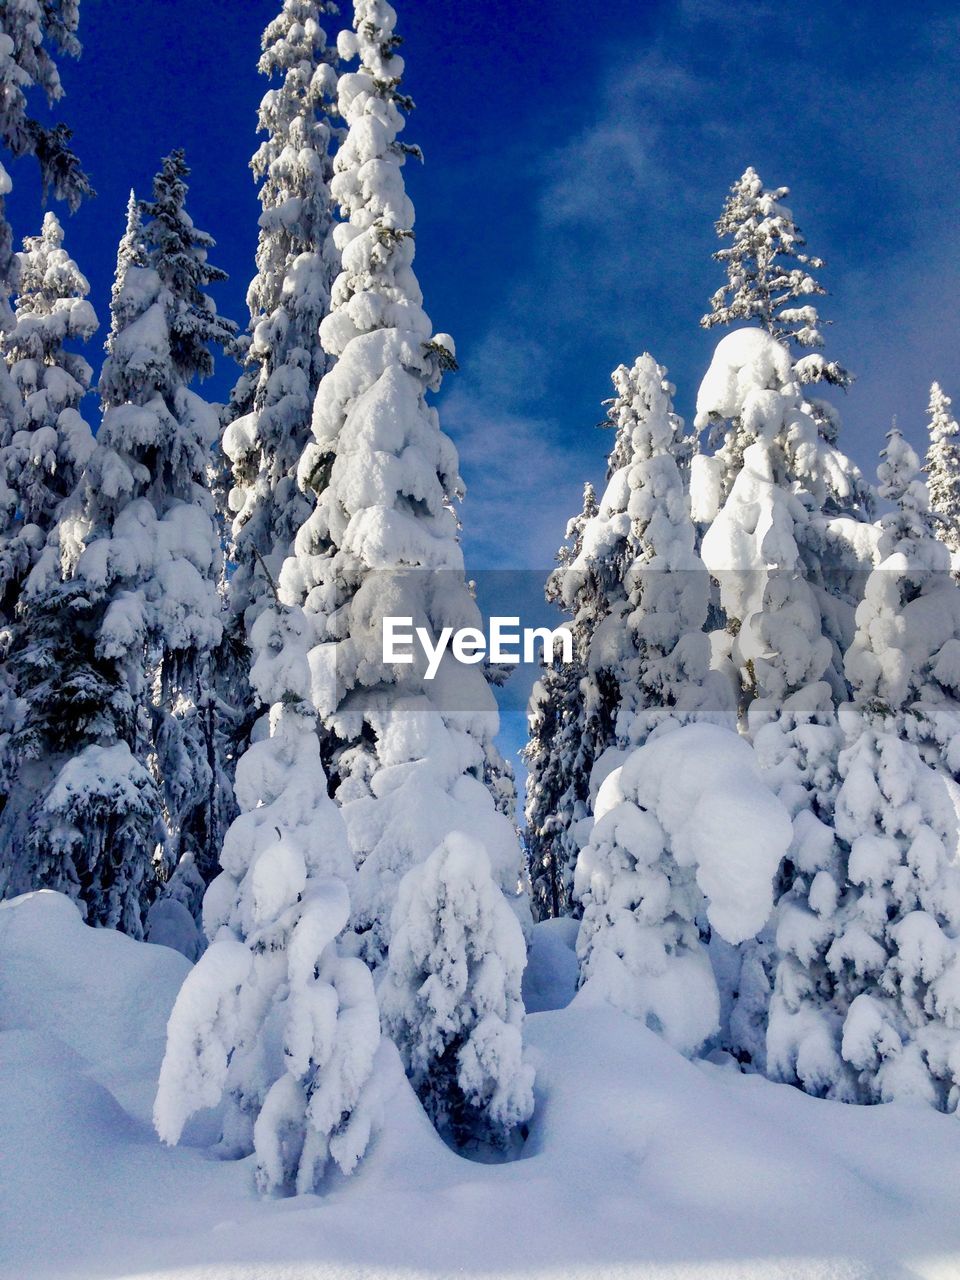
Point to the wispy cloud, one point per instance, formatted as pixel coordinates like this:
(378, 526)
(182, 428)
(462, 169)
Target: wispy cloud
(618, 238)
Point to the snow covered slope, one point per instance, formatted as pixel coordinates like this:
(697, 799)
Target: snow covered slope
(639, 1163)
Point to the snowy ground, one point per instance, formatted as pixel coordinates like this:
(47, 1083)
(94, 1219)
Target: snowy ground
(639, 1163)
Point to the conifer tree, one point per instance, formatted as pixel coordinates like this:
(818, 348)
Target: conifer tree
(268, 421)
(131, 252)
(685, 841)
(665, 677)
(782, 623)
(768, 274)
(32, 35)
(451, 995)
(866, 1004)
(41, 465)
(411, 753)
(637, 595)
(943, 468)
(558, 781)
(274, 1017)
(45, 459)
(133, 565)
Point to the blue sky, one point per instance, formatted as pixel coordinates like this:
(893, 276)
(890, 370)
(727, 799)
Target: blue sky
(576, 159)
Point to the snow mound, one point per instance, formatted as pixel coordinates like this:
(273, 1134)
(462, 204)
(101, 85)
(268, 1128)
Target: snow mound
(103, 995)
(686, 827)
(639, 1164)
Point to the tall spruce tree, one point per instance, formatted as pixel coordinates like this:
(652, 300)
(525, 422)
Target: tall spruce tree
(637, 596)
(782, 623)
(268, 421)
(133, 566)
(943, 467)
(411, 753)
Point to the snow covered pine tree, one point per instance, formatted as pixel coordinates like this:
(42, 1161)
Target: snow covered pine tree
(943, 468)
(410, 754)
(767, 274)
(275, 1016)
(133, 564)
(267, 423)
(637, 595)
(41, 464)
(867, 1000)
(31, 37)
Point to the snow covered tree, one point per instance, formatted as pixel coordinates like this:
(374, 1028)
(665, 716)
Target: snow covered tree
(556, 754)
(35, 33)
(45, 458)
(268, 421)
(868, 993)
(687, 837)
(134, 566)
(451, 995)
(786, 612)
(637, 595)
(943, 468)
(664, 678)
(274, 1017)
(131, 252)
(768, 275)
(410, 753)
(383, 537)
(32, 34)
(41, 463)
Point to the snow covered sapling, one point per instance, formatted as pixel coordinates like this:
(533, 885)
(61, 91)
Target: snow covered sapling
(451, 995)
(273, 1016)
(687, 834)
(943, 468)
